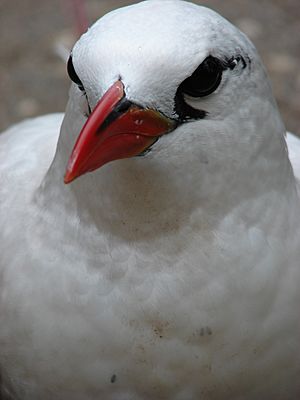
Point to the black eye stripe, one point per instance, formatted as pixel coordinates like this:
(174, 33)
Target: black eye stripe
(73, 75)
(203, 82)
(75, 78)
(185, 111)
(205, 79)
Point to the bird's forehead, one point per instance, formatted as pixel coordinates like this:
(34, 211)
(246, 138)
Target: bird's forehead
(154, 22)
(163, 25)
(158, 30)
(150, 43)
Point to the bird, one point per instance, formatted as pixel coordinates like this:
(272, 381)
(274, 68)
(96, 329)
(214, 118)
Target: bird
(150, 236)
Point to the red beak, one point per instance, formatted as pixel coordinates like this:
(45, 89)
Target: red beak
(115, 129)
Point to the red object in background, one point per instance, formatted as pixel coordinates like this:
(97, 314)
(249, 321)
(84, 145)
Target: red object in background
(80, 14)
(76, 12)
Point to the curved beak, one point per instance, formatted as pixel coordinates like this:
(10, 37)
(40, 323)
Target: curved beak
(115, 129)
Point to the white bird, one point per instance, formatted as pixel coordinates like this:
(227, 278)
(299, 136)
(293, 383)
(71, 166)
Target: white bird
(174, 275)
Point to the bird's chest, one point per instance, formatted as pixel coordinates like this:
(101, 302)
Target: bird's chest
(149, 318)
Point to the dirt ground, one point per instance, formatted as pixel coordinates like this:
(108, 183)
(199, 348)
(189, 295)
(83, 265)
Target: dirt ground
(33, 80)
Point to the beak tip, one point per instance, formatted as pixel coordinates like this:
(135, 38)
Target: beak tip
(69, 177)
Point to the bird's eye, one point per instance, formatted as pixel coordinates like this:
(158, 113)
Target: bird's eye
(72, 74)
(204, 80)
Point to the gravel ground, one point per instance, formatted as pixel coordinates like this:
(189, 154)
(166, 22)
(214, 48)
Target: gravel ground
(33, 80)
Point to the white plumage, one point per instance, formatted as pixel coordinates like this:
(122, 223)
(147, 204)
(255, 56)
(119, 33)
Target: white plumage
(169, 276)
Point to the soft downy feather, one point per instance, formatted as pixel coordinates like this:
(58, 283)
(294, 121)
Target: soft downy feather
(170, 276)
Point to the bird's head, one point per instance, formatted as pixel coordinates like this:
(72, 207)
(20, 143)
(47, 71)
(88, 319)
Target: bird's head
(171, 81)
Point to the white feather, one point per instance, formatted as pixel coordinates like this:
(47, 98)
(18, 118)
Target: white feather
(172, 276)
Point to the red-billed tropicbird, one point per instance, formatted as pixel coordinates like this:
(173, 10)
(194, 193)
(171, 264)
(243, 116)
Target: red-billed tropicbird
(173, 275)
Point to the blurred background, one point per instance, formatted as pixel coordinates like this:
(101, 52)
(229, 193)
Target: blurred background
(35, 33)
